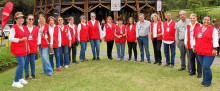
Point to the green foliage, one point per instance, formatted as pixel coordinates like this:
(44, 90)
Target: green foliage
(193, 4)
(201, 14)
(7, 60)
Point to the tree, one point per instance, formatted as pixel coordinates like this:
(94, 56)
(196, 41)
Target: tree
(193, 4)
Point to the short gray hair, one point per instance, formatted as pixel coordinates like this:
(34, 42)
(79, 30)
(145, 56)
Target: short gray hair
(182, 11)
(155, 14)
(141, 14)
(82, 17)
(92, 14)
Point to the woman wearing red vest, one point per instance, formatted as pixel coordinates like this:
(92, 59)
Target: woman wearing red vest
(109, 29)
(205, 45)
(169, 40)
(18, 38)
(132, 38)
(156, 37)
(56, 43)
(65, 42)
(94, 36)
(74, 41)
(32, 34)
(189, 36)
(83, 36)
(45, 40)
(120, 38)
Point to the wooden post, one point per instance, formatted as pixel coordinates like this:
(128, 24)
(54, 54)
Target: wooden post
(86, 9)
(138, 7)
(35, 7)
(115, 16)
(60, 4)
(45, 9)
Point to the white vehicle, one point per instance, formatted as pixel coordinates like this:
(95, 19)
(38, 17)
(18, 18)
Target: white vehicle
(6, 30)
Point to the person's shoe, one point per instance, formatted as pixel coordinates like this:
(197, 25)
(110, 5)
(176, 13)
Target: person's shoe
(172, 66)
(94, 58)
(26, 77)
(155, 62)
(192, 74)
(119, 59)
(189, 71)
(110, 59)
(58, 69)
(75, 62)
(81, 60)
(149, 62)
(206, 85)
(66, 66)
(159, 64)
(42, 73)
(85, 60)
(199, 76)
(202, 83)
(98, 58)
(17, 84)
(166, 65)
(142, 61)
(181, 69)
(135, 61)
(51, 74)
(33, 77)
(22, 81)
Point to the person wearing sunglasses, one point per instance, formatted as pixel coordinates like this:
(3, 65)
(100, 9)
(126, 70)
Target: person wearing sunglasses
(32, 43)
(94, 35)
(65, 43)
(18, 38)
(56, 43)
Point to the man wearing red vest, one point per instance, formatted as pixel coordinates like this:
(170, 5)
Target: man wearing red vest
(94, 36)
(83, 36)
(74, 41)
(205, 45)
(189, 36)
(169, 40)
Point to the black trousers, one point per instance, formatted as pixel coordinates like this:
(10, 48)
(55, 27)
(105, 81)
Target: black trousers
(73, 48)
(109, 48)
(132, 45)
(157, 50)
(218, 47)
(192, 57)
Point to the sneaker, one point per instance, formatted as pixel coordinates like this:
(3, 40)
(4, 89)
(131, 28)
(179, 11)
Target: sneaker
(94, 58)
(119, 59)
(98, 58)
(159, 64)
(26, 77)
(58, 69)
(33, 77)
(129, 59)
(142, 61)
(51, 74)
(22, 81)
(135, 60)
(17, 84)
(166, 65)
(66, 66)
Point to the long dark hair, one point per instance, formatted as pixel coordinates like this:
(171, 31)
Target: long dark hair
(132, 19)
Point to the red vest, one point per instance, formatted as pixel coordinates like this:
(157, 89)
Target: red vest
(74, 37)
(55, 37)
(84, 33)
(188, 34)
(122, 39)
(45, 32)
(32, 43)
(131, 34)
(169, 35)
(109, 32)
(204, 45)
(159, 30)
(94, 32)
(65, 35)
(20, 48)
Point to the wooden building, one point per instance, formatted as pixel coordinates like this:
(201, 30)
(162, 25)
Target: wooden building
(102, 8)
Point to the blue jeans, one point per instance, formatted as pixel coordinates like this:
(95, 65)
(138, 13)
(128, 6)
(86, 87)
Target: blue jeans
(19, 70)
(30, 59)
(120, 50)
(83, 50)
(167, 49)
(64, 56)
(95, 44)
(143, 44)
(44, 52)
(206, 62)
(57, 56)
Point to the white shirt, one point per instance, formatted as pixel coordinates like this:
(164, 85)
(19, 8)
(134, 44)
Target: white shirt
(167, 42)
(62, 27)
(155, 31)
(73, 27)
(39, 35)
(100, 29)
(12, 35)
(30, 29)
(59, 36)
(79, 29)
(214, 38)
(191, 34)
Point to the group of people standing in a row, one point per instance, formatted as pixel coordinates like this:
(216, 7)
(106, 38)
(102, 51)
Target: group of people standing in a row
(197, 40)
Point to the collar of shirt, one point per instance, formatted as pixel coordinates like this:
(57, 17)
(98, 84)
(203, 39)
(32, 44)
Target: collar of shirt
(83, 23)
(61, 27)
(168, 23)
(93, 22)
(192, 26)
(110, 24)
(72, 26)
(30, 29)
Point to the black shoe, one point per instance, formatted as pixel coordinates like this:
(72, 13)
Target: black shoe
(142, 61)
(98, 58)
(27, 77)
(159, 64)
(155, 62)
(206, 85)
(181, 69)
(202, 83)
(33, 77)
(199, 76)
(76, 62)
(94, 58)
(166, 65)
(192, 74)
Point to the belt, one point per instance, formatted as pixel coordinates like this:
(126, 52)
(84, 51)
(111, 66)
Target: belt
(146, 36)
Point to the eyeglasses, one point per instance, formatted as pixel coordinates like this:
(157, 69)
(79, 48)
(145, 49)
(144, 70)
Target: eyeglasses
(60, 19)
(30, 19)
(92, 16)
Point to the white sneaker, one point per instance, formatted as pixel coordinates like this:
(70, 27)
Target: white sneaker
(66, 66)
(17, 84)
(22, 81)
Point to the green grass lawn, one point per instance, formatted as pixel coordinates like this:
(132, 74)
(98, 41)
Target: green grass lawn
(112, 76)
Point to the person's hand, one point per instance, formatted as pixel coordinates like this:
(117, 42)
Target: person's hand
(23, 39)
(70, 45)
(158, 35)
(214, 52)
(37, 48)
(100, 40)
(186, 46)
(136, 41)
(51, 47)
(177, 44)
